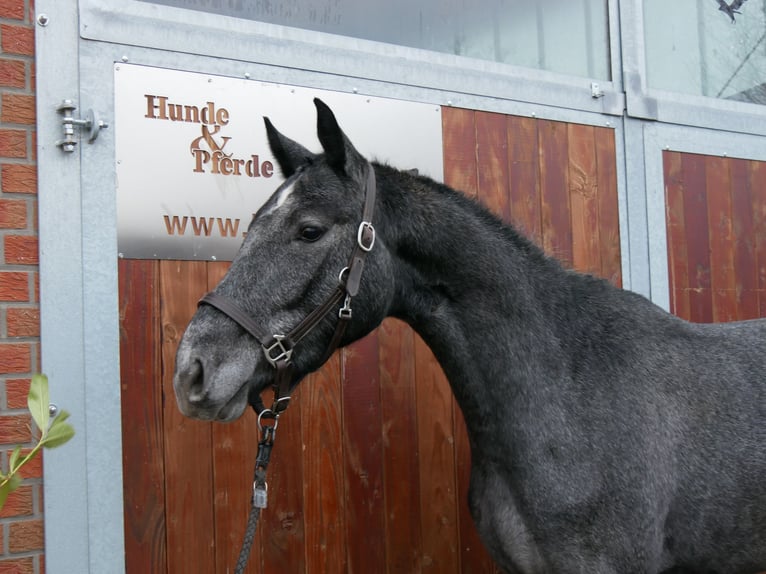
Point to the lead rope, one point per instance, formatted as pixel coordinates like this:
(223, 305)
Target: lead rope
(283, 345)
(259, 498)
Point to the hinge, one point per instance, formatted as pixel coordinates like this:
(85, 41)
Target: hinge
(68, 122)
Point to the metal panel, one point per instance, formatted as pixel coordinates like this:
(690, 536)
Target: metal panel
(135, 23)
(193, 161)
(83, 482)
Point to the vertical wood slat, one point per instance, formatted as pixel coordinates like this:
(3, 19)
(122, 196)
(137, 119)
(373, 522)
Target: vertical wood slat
(401, 457)
(678, 266)
(438, 501)
(282, 523)
(758, 190)
(142, 439)
(697, 238)
(459, 145)
(524, 179)
(743, 229)
(494, 181)
(719, 222)
(324, 500)
(583, 198)
(462, 148)
(363, 453)
(554, 186)
(608, 206)
(189, 491)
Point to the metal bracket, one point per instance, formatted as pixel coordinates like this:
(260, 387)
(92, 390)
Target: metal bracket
(90, 122)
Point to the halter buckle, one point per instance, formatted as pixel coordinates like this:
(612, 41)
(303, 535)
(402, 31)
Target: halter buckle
(345, 311)
(365, 236)
(280, 350)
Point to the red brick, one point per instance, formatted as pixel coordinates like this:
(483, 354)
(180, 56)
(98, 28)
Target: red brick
(17, 566)
(23, 322)
(19, 178)
(13, 143)
(21, 249)
(13, 214)
(34, 468)
(19, 502)
(15, 429)
(12, 9)
(14, 286)
(13, 73)
(16, 391)
(18, 109)
(17, 40)
(26, 536)
(15, 358)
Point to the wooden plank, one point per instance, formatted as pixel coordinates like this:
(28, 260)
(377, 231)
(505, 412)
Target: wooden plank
(492, 163)
(459, 145)
(583, 198)
(282, 524)
(554, 187)
(608, 206)
(323, 470)
(697, 237)
(400, 447)
(363, 453)
(234, 450)
(188, 443)
(524, 176)
(142, 440)
(719, 220)
(438, 504)
(675, 220)
(758, 188)
(743, 228)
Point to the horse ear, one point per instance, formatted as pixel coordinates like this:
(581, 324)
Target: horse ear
(290, 155)
(340, 154)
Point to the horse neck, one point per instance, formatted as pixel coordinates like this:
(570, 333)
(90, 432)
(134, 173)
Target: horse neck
(471, 287)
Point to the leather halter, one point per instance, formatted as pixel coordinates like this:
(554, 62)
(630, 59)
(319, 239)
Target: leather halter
(278, 348)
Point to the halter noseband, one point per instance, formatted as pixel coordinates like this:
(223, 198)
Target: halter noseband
(278, 349)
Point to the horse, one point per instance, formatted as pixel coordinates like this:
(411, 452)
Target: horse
(606, 435)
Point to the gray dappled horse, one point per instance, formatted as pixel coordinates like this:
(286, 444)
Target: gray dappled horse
(607, 436)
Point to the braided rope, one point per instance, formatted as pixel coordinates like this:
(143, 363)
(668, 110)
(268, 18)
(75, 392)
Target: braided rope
(247, 543)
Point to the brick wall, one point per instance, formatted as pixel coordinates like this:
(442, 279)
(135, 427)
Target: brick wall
(21, 524)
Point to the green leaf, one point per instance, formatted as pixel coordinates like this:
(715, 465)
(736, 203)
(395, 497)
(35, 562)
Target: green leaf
(39, 401)
(7, 487)
(59, 433)
(14, 459)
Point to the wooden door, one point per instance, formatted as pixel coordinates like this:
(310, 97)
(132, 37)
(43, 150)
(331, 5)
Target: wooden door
(716, 229)
(370, 471)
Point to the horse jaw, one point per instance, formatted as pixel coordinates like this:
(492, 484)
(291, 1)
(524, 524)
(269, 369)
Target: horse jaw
(208, 386)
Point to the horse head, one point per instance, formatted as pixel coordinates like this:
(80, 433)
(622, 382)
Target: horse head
(304, 251)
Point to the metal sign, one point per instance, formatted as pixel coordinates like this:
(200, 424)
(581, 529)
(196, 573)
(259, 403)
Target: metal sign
(193, 162)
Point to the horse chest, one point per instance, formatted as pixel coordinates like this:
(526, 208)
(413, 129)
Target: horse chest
(501, 524)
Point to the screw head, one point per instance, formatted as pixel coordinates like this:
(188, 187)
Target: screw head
(42, 19)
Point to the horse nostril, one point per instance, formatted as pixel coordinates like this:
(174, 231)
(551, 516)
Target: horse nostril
(195, 382)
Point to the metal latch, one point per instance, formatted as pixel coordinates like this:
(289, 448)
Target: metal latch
(90, 122)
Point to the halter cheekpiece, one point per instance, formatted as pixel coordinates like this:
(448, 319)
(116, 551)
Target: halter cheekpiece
(278, 348)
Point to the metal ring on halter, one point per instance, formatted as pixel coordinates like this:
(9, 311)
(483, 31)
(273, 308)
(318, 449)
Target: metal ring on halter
(360, 236)
(268, 413)
(340, 275)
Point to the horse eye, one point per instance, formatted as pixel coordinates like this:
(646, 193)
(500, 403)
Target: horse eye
(311, 233)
